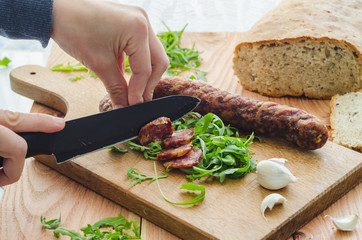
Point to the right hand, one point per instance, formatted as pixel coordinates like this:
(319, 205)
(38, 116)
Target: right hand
(13, 148)
(98, 33)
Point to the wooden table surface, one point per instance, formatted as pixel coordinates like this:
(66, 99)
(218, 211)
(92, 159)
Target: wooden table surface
(42, 191)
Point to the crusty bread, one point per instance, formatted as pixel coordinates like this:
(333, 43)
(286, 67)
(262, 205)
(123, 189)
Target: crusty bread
(346, 120)
(307, 47)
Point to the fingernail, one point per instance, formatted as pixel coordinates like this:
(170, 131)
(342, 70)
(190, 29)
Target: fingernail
(59, 121)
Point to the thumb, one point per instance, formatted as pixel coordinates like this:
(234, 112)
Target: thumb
(30, 122)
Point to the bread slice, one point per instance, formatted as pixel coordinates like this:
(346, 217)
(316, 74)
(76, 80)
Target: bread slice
(308, 47)
(346, 120)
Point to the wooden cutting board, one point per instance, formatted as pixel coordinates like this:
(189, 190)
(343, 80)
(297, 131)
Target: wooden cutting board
(230, 210)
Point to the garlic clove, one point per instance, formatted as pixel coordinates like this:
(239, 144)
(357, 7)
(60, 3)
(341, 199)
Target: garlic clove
(278, 160)
(272, 175)
(347, 223)
(271, 200)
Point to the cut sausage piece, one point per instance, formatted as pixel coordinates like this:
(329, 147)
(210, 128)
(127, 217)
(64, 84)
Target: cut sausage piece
(269, 118)
(191, 159)
(156, 130)
(179, 138)
(172, 153)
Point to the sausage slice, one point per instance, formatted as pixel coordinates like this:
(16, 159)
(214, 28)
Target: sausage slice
(173, 153)
(179, 138)
(191, 159)
(156, 130)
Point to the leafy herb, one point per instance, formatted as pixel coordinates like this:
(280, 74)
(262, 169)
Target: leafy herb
(116, 228)
(140, 177)
(225, 154)
(118, 149)
(5, 62)
(149, 152)
(79, 67)
(187, 186)
(181, 59)
(51, 224)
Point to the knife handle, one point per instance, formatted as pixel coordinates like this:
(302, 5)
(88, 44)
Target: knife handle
(38, 143)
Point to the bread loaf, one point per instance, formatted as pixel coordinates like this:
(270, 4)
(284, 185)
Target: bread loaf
(308, 47)
(346, 120)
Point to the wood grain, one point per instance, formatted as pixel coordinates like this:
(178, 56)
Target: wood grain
(43, 192)
(311, 194)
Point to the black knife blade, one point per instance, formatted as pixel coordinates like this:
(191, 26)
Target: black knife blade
(98, 131)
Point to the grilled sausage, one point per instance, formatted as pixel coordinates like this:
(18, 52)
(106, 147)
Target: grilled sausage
(178, 138)
(156, 130)
(268, 118)
(172, 153)
(191, 159)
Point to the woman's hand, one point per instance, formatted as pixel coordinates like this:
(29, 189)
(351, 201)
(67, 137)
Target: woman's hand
(98, 33)
(13, 148)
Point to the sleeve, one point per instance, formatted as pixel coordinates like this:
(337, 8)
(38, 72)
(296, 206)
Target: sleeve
(26, 19)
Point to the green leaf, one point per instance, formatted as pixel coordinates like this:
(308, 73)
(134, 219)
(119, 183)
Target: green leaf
(51, 224)
(225, 154)
(115, 230)
(118, 149)
(5, 62)
(187, 186)
(149, 152)
(69, 67)
(133, 173)
(79, 67)
(180, 58)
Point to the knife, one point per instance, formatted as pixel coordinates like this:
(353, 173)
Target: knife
(102, 130)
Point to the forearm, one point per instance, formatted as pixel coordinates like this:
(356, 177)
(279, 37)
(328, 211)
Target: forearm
(26, 19)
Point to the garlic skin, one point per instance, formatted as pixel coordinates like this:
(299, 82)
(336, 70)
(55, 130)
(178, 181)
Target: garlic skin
(347, 223)
(281, 161)
(273, 175)
(271, 200)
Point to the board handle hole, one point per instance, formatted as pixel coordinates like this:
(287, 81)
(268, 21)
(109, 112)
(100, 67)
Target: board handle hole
(32, 73)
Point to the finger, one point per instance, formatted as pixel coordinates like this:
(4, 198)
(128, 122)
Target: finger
(13, 149)
(110, 72)
(138, 51)
(159, 63)
(30, 122)
(122, 63)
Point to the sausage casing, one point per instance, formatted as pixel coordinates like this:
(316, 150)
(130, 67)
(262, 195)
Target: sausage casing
(267, 118)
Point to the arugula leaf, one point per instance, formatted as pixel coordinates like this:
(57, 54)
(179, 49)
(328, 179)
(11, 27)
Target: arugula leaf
(118, 149)
(51, 224)
(5, 62)
(115, 228)
(79, 67)
(181, 59)
(140, 177)
(149, 152)
(187, 186)
(74, 235)
(225, 154)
